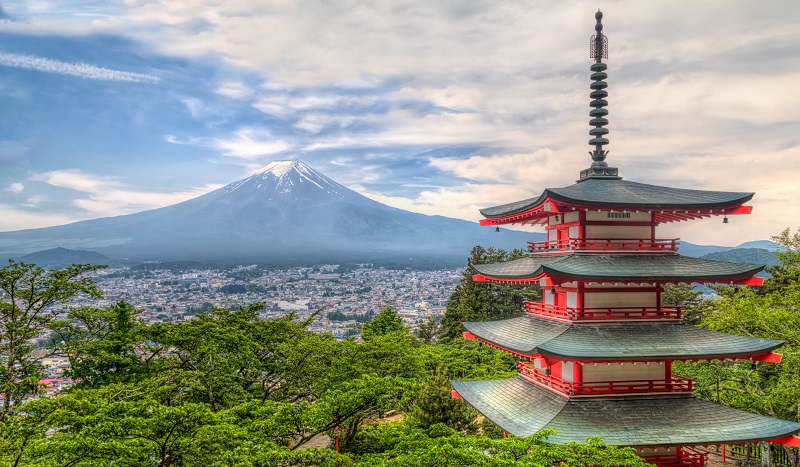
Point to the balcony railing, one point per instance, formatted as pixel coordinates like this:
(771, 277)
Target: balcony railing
(686, 457)
(539, 309)
(597, 388)
(606, 244)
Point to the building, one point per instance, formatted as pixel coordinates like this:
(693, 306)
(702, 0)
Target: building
(595, 354)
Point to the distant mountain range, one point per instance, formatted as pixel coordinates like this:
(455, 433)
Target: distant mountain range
(287, 213)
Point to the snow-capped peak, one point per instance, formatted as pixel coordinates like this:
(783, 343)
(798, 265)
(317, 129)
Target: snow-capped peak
(286, 176)
(279, 168)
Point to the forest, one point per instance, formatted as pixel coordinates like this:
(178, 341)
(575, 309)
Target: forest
(228, 387)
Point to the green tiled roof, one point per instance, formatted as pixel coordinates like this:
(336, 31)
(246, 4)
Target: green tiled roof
(619, 267)
(622, 193)
(521, 408)
(531, 336)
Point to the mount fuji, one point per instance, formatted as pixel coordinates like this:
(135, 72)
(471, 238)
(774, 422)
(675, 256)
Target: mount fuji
(287, 212)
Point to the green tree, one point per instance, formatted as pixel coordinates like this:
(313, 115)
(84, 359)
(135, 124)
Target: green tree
(402, 444)
(387, 321)
(27, 311)
(435, 404)
(105, 345)
(429, 330)
(688, 298)
(787, 271)
(480, 301)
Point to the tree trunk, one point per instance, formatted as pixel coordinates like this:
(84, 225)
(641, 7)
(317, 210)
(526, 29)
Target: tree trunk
(765, 454)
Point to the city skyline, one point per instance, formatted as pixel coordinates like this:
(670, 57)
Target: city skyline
(111, 108)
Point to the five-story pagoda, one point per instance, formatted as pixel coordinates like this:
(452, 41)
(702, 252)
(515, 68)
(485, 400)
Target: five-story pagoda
(595, 354)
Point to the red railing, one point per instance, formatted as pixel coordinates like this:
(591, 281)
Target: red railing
(615, 244)
(543, 378)
(685, 457)
(676, 384)
(616, 313)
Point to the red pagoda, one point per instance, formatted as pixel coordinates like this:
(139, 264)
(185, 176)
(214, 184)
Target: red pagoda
(595, 354)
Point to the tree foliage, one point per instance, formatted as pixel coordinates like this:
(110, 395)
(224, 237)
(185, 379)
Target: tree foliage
(481, 301)
(229, 388)
(27, 311)
(387, 321)
(771, 312)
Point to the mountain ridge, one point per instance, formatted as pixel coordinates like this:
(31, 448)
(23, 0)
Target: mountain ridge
(286, 211)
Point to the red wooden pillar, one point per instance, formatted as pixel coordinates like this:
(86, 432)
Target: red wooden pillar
(336, 437)
(659, 290)
(668, 370)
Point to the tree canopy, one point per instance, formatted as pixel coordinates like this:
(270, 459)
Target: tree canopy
(229, 387)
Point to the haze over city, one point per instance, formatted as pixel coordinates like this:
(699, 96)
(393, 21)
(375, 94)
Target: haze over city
(111, 108)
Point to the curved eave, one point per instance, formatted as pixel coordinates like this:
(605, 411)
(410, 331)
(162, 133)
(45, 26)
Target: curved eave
(522, 409)
(668, 204)
(527, 337)
(618, 268)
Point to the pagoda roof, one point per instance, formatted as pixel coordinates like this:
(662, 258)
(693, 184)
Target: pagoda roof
(630, 341)
(611, 193)
(621, 268)
(522, 409)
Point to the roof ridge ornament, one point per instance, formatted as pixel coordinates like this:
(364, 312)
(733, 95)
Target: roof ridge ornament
(598, 49)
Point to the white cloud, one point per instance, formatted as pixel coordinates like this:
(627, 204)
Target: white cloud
(33, 201)
(251, 143)
(707, 102)
(234, 90)
(80, 70)
(108, 196)
(14, 218)
(16, 187)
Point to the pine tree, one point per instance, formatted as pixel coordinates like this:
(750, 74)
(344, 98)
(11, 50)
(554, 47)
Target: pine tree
(481, 301)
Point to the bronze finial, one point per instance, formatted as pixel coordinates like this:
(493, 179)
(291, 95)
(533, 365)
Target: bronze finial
(598, 49)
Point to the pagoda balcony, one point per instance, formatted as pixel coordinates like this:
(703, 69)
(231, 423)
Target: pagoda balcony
(542, 378)
(563, 313)
(686, 457)
(619, 245)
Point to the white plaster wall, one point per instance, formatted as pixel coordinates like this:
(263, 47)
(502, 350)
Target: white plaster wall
(624, 372)
(566, 371)
(618, 299)
(614, 231)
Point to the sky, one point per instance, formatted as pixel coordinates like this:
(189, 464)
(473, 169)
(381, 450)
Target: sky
(438, 107)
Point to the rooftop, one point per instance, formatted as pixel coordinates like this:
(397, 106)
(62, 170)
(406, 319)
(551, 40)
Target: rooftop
(522, 409)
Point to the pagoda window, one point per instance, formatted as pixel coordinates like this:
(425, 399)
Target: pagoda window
(618, 216)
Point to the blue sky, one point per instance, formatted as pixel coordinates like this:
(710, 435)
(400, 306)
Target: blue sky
(109, 108)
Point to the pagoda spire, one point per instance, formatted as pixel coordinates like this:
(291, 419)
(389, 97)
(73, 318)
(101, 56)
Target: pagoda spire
(598, 50)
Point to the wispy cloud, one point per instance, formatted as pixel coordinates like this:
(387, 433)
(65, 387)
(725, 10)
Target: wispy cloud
(251, 143)
(16, 187)
(80, 70)
(108, 196)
